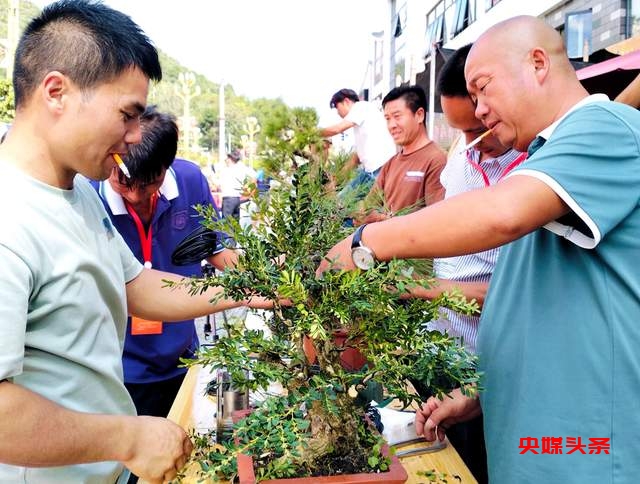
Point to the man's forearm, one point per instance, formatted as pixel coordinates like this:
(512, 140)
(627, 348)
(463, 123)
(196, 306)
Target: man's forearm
(149, 298)
(329, 132)
(336, 128)
(35, 432)
(470, 222)
(467, 223)
(470, 290)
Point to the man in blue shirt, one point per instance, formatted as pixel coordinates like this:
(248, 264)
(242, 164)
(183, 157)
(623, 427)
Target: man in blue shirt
(559, 334)
(154, 211)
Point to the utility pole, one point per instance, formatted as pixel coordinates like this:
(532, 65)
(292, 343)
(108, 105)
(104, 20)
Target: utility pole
(222, 152)
(186, 90)
(13, 34)
(252, 128)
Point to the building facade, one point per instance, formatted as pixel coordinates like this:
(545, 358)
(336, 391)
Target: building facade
(418, 32)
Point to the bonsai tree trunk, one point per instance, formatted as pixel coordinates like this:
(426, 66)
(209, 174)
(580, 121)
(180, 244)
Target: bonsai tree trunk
(335, 432)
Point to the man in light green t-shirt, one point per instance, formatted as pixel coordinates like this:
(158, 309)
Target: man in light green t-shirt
(68, 280)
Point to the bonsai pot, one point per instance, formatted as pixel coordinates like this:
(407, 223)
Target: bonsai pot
(395, 475)
(351, 358)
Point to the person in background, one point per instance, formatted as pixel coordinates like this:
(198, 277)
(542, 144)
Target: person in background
(411, 178)
(81, 80)
(154, 211)
(234, 177)
(263, 183)
(558, 335)
(374, 144)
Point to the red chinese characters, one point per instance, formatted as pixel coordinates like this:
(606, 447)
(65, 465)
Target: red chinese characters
(572, 445)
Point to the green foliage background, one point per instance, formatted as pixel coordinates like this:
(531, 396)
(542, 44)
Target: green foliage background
(272, 114)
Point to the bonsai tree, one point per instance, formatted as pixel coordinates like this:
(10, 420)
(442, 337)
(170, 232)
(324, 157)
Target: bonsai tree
(318, 426)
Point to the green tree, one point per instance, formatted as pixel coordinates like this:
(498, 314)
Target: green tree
(7, 112)
(27, 11)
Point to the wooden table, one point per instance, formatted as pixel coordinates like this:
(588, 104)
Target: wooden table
(191, 409)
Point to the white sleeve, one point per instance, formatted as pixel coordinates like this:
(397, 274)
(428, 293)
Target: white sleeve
(358, 113)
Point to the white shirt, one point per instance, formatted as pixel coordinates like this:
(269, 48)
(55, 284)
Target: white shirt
(233, 177)
(374, 144)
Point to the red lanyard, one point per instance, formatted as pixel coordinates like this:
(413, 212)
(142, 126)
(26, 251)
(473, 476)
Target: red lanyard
(145, 237)
(510, 166)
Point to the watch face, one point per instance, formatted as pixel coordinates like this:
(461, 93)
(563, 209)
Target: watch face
(362, 257)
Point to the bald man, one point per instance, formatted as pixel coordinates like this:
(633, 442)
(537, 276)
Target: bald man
(559, 339)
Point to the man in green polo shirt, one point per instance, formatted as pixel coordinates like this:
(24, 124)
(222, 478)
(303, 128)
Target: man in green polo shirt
(559, 336)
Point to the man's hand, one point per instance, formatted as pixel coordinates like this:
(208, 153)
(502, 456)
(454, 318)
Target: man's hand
(435, 416)
(160, 449)
(340, 255)
(373, 216)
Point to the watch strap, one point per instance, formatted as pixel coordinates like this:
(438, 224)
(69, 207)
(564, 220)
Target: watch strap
(357, 237)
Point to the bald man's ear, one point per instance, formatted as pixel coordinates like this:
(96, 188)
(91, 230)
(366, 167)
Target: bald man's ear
(540, 61)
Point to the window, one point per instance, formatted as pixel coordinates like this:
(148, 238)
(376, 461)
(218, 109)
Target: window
(489, 4)
(461, 16)
(447, 19)
(578, 33)
(434, 32)
(399, 43)
(436, 28)
(401, 21)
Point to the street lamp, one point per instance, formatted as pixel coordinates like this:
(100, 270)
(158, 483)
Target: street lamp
(252, 127)
(222, 152)
(244, 141)
(186, 90)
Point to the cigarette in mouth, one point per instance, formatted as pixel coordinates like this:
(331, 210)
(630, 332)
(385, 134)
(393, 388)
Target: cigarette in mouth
(475, 141)
(121, 165)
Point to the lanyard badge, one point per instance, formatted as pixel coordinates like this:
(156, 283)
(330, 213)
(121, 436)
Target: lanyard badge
(140, 326)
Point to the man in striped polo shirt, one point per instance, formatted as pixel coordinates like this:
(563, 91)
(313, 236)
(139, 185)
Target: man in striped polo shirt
(483, 165)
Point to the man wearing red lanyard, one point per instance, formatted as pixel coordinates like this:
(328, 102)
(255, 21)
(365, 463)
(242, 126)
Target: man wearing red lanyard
(483, 165)
(153, 211)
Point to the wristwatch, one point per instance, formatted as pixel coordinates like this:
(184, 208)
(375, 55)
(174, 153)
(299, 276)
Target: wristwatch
(363, 257)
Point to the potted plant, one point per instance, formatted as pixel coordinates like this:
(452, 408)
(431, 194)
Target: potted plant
(319, 425)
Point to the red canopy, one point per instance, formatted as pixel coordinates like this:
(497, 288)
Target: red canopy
(610, 77)
(630, 61)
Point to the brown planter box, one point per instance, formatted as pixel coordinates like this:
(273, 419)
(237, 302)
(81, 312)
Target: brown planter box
(395, 475)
